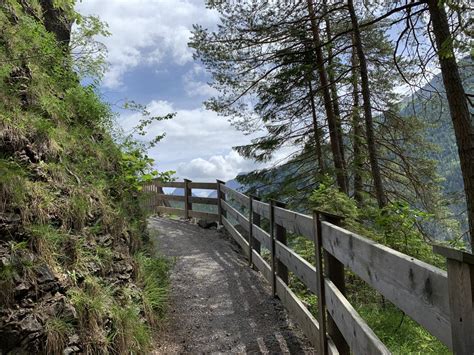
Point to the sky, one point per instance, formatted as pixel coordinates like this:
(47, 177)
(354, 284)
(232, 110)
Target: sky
(150, 63)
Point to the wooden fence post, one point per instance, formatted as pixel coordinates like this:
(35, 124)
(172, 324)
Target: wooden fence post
(219, 206)
(334, 271)
(144, 197)
(256, 222)
(187, 194)
(220, 197)
(318, 252)
(250, 229)
(272, 245)
(154, 197)
(461, 298)
(280, 235)
(149, 195)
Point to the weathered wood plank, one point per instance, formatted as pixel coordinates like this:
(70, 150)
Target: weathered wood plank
(454, 254)
(241, 219)
(272, 247)
(301, 315)
(361, 339)
(256, 222)
(175, 184)
(188, 206)
(220, 197)
(461, 301)
(262, 236)
(417, 288)
(159, 190)
(298, 312)
(235, 195)
(295, 222)
(203, 200)
(280, 236)
(163, 197)
(169, 210)
(297, 265)
(334, 271)
(203, 185)
(236, 235)
(262, 266)
(261, 208)
(204, 215)
(251, 239)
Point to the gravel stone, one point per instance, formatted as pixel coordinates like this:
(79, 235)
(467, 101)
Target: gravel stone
(219, 304)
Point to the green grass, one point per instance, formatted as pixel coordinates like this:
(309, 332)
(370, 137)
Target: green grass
(134, 313)
(398, 332)
(57, 332)
(72, 187)
(92, 301)
(129, 334)
(12, 184)
(47, 242)
(153, 276)
(7, 284)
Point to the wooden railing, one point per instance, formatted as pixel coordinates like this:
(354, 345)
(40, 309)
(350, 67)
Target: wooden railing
(441, 302)
(159, 202)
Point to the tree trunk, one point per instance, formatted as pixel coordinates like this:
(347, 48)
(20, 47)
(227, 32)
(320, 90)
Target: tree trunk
(357, 129)
(341, 176)
(334, 94)
(369, 124)
(458, 105)
(317, 138)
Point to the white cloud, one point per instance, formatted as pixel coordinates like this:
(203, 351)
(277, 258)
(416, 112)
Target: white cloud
(222, 167)
(147, 31)
(194, 84)
(197, 144)
(154, 34)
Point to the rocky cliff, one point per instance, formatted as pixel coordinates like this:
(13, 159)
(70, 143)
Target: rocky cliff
(73, 274)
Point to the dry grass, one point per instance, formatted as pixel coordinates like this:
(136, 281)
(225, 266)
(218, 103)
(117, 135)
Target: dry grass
(57, 332)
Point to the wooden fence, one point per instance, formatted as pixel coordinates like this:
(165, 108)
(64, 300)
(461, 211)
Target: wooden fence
(157, 201)
(441, 302)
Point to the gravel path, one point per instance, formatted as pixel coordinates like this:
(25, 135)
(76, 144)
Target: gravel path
(219, 304)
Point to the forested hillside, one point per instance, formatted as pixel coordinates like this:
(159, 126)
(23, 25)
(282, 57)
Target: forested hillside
(324, 79)
(429, 104)
(75, 276)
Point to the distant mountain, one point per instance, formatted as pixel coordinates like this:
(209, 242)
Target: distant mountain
(429, 107)
(233, 184)
(433, 109)
(179, 191)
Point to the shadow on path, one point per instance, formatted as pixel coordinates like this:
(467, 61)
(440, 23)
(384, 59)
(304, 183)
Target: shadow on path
(219, 304)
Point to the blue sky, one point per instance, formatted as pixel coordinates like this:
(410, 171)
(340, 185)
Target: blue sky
(150, 63)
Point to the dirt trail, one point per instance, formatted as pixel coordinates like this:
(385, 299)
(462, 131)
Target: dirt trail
(219, 304)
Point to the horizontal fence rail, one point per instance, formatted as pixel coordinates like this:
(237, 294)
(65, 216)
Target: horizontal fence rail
(441, 302)
(159, 202)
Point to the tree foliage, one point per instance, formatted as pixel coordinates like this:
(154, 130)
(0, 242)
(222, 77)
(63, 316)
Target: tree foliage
(316, 76)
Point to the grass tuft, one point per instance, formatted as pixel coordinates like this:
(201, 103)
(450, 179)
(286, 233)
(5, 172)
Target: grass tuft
(129, 332)
(57, 333)
(153, 276)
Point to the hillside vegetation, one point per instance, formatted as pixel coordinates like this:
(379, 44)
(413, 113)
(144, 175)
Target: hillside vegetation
(75, 276)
